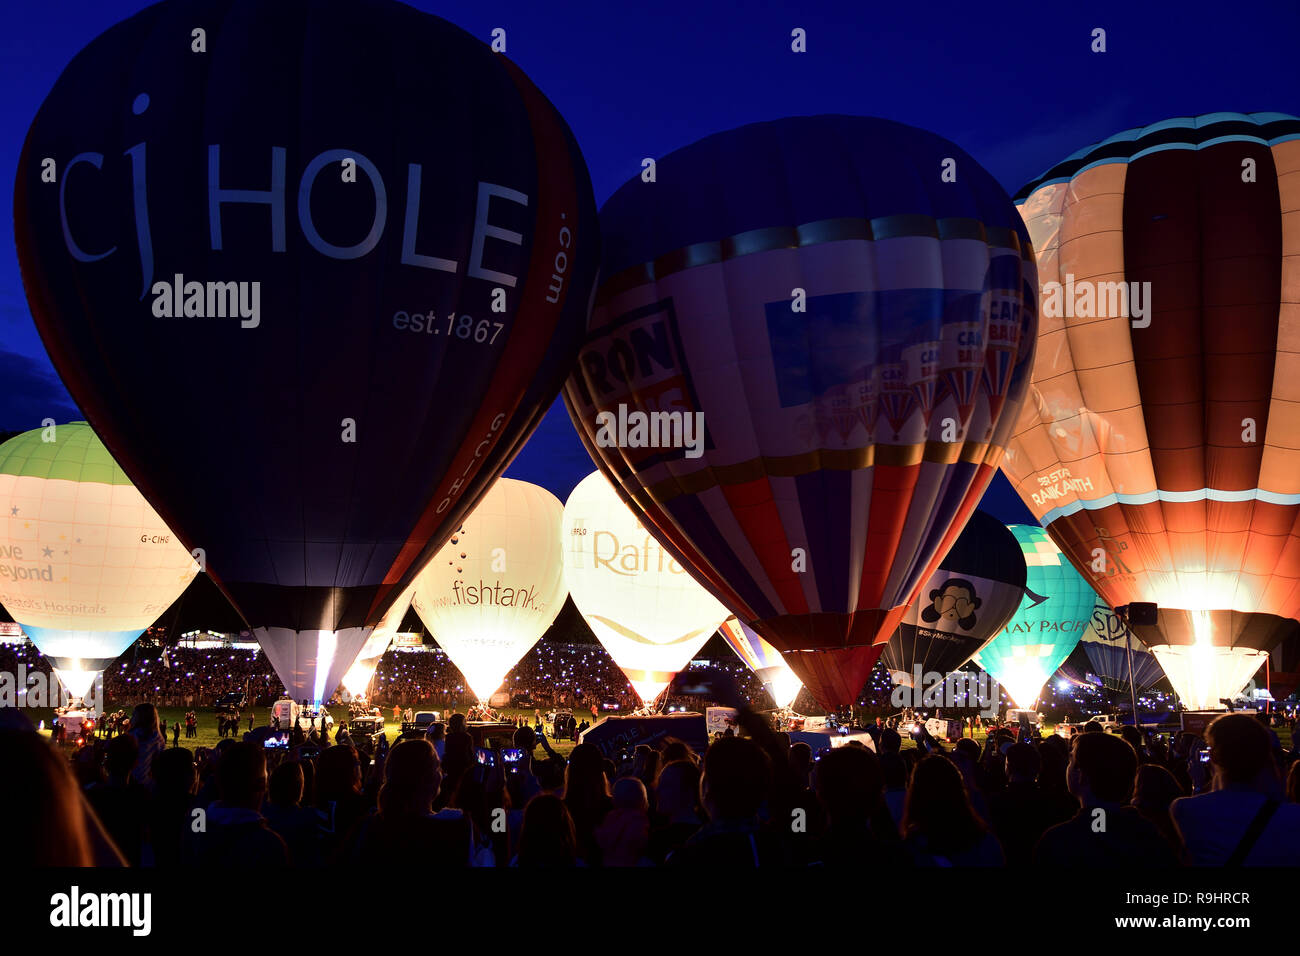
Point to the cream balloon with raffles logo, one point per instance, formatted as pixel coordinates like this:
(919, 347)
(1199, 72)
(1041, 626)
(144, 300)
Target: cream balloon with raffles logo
(85, 563)
(492, 591)
(648, 612)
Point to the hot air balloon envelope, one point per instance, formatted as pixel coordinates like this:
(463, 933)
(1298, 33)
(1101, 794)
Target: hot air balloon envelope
(854, 338)
(1055, 613)
(313, 318)
(493, 590)
(357, 678)
(764, 660)
(85, 564)
(961, 607)
(647, 611)
(1161, 446)
(1107, 647)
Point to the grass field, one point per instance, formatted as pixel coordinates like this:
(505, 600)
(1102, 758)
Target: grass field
(207, 728)
(208, 737)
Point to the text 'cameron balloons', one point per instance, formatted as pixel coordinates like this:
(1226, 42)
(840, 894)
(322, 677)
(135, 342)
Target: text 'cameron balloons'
(1105, 644)
(314, 284)
(962, 606)
(1161, 449)
(840, 335)
(1057, 610)
(85, 564)
(764, 660)
(490, 594)
(357, 678)
(647, 611)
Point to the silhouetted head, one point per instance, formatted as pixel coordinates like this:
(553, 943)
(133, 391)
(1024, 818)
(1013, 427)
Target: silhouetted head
(1023, 762)
(287, 785)
(737, 776)
(1240, 747)
(42, 802)
(1102, 769)
(1155, 789)
(629, 793)
(938, 807)
(411, 780)
(122, 752)
(145, 720)
(849, 783)
(677, 793)
(548, 837)
(241, 776)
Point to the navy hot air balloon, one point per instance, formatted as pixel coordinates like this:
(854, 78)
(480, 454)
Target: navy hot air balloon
(314, 271)
(965, 604)
(847, 331)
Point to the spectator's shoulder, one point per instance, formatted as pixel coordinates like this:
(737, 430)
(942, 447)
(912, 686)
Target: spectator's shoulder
(1048, 849)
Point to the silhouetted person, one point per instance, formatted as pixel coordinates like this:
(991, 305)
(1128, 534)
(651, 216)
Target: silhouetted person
(1021, 813)
(285, 814)
(171, 813)
(940, 827)
(57, 826)
(547, 838)
(624, 833)
(146, 730)
(1106, 832)
(1243, 819)
(859, 831)
(121, 804)
(677, 813)
(737, 779)
(406, 832)
(1155, 791)
(586, 794)
(340, 800)
(236, 833)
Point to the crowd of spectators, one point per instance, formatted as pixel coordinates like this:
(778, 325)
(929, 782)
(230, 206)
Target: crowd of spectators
(748, 801)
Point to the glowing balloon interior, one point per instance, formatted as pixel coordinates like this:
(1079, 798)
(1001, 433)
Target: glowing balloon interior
(491, 593)
(357, 678)
(1057, 610)
(764, 660)
(1204, 676)
(1161, 444)
(648, 612)
(85, 564)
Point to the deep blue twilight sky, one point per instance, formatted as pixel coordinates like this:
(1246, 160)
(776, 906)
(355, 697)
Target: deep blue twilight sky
(1013, 83)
